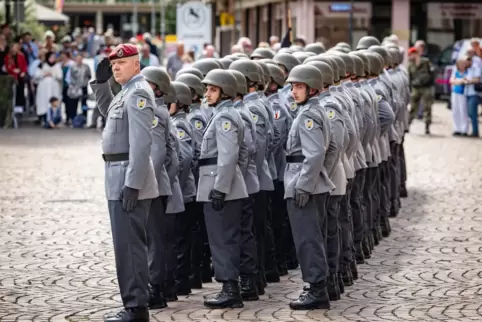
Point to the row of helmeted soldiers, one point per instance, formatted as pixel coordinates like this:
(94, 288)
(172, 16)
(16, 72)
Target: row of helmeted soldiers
(275, 161)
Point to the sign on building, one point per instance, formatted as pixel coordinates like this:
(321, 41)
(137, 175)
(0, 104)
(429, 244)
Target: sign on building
(194, 25)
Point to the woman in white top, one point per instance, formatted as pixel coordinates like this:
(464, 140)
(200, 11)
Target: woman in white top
(48, 77)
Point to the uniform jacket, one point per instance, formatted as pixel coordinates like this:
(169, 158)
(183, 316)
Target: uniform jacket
(198, 123)
(368, 122)
(187, 147)
(128, 129)
(175, 202)
(421, 74)
(282, 121)
(376, 140)
(261, 120)
(357, 114)
(333, 160)
(160, 140)
(223, 136)
(287, 99)
(310, 139)
(247, 161)
(273, 136)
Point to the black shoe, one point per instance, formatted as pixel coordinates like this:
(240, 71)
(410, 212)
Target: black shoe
(156, 297)
(376, 237)
(403, 191)
(366, 247)
(386, 228)
(129, 315)
(229, 297)
(206, 275)
(332, 287)
(394, 208)
(346, 275)
(170, 292)
(196, 282)
(259, 285)
(456, 134)
(315, 298)
(354, 270)
(248, 288)
(282, 269)
(183, 287)
(474, 135)
(427, 128)
(272, 276)
(341, 285)
(359, 256)
(292, 264)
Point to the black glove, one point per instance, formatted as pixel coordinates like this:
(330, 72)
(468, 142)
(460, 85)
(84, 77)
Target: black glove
(129, 198)
(217, 199)
(103, 71)
(301, 198)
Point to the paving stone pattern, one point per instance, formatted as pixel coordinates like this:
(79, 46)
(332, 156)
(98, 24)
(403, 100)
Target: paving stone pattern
(56, 255)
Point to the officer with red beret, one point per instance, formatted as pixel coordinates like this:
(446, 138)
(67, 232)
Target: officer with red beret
(130, 182)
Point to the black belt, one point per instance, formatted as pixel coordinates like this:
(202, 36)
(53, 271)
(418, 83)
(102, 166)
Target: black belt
(207, 161)
(295, 158)
(115, 157)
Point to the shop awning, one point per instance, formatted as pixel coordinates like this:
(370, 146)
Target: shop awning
(50, 17)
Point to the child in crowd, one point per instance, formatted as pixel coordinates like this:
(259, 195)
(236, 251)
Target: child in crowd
(54, 114)
(459, 100)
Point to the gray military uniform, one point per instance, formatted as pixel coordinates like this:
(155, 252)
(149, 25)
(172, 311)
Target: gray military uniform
(273, 136)
(175, 202)
(128, 131)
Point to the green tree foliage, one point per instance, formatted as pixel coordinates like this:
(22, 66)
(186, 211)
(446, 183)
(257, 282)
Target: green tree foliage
(31, 23)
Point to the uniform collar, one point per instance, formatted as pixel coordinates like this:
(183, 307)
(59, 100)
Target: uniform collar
(312, 100)
(132, 81)
(332, 88)
(160, 101)
(179, 115)
(357, 84)
(238, 104)
(373, 81)
(251, 97)
(347, 83)
(286, 88)
(221, 105)
(324, 94)
(195, 106)
(273, 96)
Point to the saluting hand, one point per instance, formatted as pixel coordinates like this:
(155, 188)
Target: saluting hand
(103, 71)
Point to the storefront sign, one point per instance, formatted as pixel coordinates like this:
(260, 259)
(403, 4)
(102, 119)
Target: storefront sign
(454, 10)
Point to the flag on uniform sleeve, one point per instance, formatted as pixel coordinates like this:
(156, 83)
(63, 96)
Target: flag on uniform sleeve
(286, 42)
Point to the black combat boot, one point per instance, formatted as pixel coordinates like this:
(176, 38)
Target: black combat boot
(346, 275)
(427, 129)
(341, 285)
(403, 191)
(248, 288)
(129, 315)
(282, 269)
(359, 256)
(354, 269)
(260, 283)
(229, 297)
(206, 272)
(394, 208)
(170, 292)
(371, 241)
(375, 236)
(196, 281)
(366, 247)
(272, 275)
(156, 297)
(332, 287)
(183, 287)
(386, 228)
(315, 298)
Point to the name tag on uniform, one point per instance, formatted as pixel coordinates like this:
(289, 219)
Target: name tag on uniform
(198, 125)
(255, 118)
(293, 107)
(331, 114)
(155, 121)
(309, 124)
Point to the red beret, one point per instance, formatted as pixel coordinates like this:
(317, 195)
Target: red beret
(412, 50)
(123, 51)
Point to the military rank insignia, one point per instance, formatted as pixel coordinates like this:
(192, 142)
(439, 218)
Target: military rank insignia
(293, 106)
(309, 124)
(331, 114)
(226, 126)
(141, 103)
(155, 122)
(277, 115)
(379, 98)
(198, 125)
(181, 134)
(255, 118)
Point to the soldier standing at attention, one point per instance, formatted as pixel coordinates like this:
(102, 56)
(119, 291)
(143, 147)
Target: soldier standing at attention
(421, 81)
(130, 179)
(159, 81)
(221, 186)
(307, 185)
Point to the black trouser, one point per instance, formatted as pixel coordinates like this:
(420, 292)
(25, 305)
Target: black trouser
(403, 165)
(369, 194)
(129, 233)
(270, 252)
(261, 227)
(156, 240)
(346, 231)
(185, 223)
(279, 222)
(333, 238)
(71, 106)
(358, 211)
(306, 227)
(199, 243)
(394, 172)
(224, 233)
(249, 257)
(384, 187)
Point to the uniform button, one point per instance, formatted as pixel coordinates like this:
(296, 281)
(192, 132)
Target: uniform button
(212, 172)
(122, 163)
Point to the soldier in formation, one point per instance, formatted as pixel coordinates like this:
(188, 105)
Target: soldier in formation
(243, 168)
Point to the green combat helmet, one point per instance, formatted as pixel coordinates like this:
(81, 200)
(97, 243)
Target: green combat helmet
(349, 65)
(326, 72)
(396, 55)
(341, 65)
(358, 66)
(222, 79)
(343, 45)
(376, 65)
(225, 62)
(192, 82)
(366, 42)
(301, 56)
(260, 53)
(183, 93)
(366, 63)
(170, 96)
(241, 55)
(276, 75)
(248, 68)
(268, 61)
(306, 74)
(382, 52)
(206, 65)
(287, 61)
(316, 48)
(332, 63)
(190, 70)
(265, 71)
(242, 86)
(158, 76)
(296, 48)
(286, 50)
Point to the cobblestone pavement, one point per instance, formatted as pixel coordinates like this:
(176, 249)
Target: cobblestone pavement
(56, 256)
